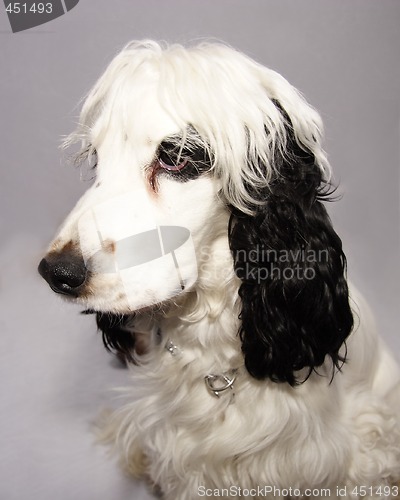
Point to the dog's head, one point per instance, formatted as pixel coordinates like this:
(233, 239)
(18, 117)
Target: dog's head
(194, 148)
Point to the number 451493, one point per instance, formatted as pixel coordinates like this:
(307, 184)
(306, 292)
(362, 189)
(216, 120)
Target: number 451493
(35, 8)
(379, 491)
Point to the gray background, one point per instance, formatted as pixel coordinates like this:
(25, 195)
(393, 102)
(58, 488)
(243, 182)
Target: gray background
(55, 375)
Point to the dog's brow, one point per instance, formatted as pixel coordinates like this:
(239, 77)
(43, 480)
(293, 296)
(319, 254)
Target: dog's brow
(187, 138)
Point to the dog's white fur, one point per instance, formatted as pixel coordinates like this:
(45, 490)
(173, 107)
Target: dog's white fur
(321, 434)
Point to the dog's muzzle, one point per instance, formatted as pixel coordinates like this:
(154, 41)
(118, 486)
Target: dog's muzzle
(65, 272)
(137, 253)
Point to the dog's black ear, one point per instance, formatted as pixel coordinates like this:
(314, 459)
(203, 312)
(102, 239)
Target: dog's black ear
(117, 338)
(295, 304)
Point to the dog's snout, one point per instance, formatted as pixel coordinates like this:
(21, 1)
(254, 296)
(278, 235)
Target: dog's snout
(64, 272)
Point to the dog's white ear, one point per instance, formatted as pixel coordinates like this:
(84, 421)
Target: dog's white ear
(295, 305)
(253, 134)
(304, 121)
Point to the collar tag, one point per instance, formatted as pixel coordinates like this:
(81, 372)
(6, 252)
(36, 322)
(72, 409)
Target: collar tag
(221, 382)
(216, 383)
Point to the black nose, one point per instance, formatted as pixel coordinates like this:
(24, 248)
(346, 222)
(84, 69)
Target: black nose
(65, 273)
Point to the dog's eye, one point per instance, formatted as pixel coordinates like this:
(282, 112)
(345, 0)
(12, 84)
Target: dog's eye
(180, 163)
(168, 161)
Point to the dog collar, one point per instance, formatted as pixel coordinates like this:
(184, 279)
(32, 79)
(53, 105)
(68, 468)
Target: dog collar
(217, 384)
(220, 383)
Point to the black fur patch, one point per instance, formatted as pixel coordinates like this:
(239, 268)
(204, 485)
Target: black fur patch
(116, 337)
(295, 307)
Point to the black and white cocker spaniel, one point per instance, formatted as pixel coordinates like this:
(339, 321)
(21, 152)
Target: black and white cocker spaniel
(205, 250)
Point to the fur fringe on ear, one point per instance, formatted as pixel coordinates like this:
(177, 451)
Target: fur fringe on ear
(295, 307)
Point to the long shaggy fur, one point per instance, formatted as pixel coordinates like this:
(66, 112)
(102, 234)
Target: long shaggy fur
(214, 142)
(295, 307)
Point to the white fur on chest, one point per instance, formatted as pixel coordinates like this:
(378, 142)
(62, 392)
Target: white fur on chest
(320, 434)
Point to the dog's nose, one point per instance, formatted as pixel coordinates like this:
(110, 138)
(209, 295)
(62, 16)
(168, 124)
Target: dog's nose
(65, 273)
